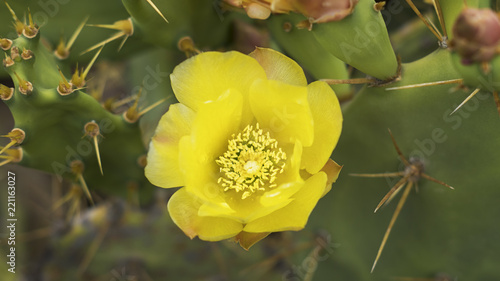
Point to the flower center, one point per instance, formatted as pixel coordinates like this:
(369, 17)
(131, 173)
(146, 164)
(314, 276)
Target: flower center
(252, 167)
(252, 162)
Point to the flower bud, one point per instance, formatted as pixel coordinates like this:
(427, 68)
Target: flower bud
(262, 9)
(476, 35)
(325, 10)
(317, 10)
(257, 11)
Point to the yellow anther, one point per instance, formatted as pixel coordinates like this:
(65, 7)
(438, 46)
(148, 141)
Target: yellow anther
(251, 163)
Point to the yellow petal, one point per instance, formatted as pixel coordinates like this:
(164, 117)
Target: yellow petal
(283, 110)
(291, 172)
(248, 209)
(327, 117)
(215, 122)
(332, 170)
(293, 216)
(280, 194)
(163, 156)
(201, 175)
(206, 76)
(183, 208)
(279, 67)
(247, 239)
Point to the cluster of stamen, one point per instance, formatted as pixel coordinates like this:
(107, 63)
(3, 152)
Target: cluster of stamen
(251, 163)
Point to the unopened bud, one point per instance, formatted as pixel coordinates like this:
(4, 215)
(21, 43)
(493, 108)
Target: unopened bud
(257, 11)
(262, 9)
(476, 34)
(325, 10)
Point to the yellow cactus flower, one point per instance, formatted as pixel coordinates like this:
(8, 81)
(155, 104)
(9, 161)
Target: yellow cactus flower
(249, 142)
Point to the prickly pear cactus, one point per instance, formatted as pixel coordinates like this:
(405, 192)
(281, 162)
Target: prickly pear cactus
(418, 87)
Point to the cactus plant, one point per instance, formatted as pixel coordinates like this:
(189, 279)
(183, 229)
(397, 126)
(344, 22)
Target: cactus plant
(427, 72)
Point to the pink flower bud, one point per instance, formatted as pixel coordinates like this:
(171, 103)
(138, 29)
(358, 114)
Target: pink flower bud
(325, 10)
(316, 10)
(476, 35)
